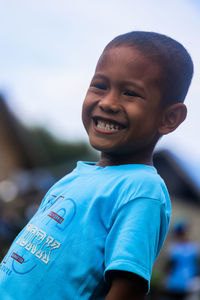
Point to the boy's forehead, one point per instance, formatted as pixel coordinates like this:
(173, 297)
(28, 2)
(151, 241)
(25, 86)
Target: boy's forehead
(129, 59)
(114, 53)
(125, 55)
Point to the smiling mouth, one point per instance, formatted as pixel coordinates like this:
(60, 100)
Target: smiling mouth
(108, 125)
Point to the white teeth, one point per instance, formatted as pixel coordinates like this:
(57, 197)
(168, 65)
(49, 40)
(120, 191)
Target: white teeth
(107, 126)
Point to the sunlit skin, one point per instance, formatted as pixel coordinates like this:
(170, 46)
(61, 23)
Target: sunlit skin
(124, 92)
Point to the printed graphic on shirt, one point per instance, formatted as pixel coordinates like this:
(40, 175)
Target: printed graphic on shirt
(17, 257)
(56, 217)
(50, 201)
(38, 243)
(35, 242)
(56, 213)
(57, 210)
(5, 269)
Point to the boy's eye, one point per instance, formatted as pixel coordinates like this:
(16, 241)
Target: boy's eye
(131, 94)
(99, 86)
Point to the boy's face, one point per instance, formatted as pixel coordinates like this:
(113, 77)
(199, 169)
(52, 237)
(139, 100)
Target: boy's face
(122, 109)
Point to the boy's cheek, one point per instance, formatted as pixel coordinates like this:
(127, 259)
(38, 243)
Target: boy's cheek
(88, 107)
(84, 109)
(86, 119)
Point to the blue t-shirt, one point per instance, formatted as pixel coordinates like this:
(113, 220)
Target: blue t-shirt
(93, 220)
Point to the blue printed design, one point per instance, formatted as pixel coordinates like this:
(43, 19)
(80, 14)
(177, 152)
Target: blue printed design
(28, 270)
(67, 213)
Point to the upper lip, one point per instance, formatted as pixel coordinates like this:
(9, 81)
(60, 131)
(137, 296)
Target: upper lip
(123, 124)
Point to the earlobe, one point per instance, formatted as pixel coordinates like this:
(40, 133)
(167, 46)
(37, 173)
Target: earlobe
(172, 117)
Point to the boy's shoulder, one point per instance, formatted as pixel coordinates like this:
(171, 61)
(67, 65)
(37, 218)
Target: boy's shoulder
(133, 181)
(145, 182)
(137, 174)
(122, 175)
(122, 183)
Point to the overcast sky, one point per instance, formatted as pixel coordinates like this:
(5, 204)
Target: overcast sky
(49, 49)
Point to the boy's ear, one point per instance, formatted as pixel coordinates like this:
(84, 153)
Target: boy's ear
(172, 117)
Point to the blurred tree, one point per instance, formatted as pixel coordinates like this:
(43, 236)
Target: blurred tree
(54, 152)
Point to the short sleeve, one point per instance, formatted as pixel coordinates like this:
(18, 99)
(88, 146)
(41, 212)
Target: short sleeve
(136, 237)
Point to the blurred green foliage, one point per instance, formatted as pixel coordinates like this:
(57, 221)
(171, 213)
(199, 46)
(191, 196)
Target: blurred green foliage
(52, 152)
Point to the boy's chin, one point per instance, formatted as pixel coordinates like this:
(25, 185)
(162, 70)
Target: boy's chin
(102, 148)
(107, 149)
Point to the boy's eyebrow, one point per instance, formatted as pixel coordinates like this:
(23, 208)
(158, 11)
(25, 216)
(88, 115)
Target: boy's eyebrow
(123, 82)
(96, 76)
(134, 84)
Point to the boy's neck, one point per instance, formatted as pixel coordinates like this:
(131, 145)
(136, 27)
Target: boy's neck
(108, 159)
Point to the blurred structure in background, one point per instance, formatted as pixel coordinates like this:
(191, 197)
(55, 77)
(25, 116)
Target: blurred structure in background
(31, 160)
(183, 182)
(180, 174)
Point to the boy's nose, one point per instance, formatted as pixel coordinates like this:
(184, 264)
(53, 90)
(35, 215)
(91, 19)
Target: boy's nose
(109, 103)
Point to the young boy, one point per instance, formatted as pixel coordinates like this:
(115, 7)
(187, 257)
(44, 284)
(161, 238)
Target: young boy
(99, 229)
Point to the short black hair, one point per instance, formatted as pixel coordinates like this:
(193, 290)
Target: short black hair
(174, 60)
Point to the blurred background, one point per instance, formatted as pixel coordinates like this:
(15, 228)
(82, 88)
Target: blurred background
(48, 52)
